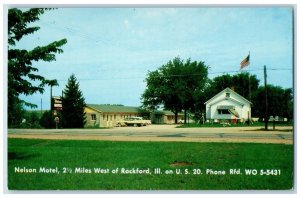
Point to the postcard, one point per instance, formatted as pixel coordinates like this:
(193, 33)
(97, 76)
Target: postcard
(150, 98)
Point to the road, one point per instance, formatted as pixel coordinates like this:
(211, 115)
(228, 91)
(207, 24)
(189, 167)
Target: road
(282, 135)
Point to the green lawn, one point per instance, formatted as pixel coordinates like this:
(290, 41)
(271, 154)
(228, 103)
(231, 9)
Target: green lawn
(110, 155)
(255, 124)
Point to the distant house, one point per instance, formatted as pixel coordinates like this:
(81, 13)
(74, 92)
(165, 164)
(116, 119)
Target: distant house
(109, 115)
(164, 117)
(228, 105)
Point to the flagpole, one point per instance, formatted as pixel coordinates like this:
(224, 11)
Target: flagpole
(249, 81)
(243, 64)
(249, 119)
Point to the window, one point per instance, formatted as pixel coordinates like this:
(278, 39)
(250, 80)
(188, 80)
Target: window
(93, 116)
(227, 95)
(103, 116)
(223, 111)
(115, 116)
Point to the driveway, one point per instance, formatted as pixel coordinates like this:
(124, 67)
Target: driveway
(282, 135)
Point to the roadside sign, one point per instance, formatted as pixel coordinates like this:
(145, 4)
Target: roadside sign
(56, 103)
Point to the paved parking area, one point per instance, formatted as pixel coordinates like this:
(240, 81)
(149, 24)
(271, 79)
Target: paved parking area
(282, 135)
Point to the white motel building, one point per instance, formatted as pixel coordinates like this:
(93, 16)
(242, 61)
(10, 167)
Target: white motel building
(228, 105)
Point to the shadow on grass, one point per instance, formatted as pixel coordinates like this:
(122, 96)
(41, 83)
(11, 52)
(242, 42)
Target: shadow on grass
(20, 156)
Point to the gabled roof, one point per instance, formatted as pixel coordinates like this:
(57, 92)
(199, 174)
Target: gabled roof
(227, 90)
(124, 109)
(115, 108)
(165, 112)
(233, 100)
(162, 112)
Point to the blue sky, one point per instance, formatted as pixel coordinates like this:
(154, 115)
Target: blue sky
(110, 50)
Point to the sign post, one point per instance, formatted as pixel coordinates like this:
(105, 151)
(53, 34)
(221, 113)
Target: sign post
(56, 119)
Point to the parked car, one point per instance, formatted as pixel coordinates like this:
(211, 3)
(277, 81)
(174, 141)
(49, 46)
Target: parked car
(146, 122)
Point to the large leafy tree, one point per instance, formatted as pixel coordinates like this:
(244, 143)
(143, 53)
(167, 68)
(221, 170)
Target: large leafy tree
(175, 86)
(280, 102)
(239, 82)
(22, 71)
(73, 103)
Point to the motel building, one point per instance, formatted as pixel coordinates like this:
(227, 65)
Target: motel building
(228, 106)
(164, 117)
(109, 115)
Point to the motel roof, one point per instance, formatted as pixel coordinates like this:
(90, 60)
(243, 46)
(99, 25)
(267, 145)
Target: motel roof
(123, 109)
(115, 108)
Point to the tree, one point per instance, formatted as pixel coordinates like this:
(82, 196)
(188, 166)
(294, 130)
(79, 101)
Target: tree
(175, 86)
(47, 120)
(73, 104)
(220, 82)
(280, 102)
(30, 120)
(33, 120)
(239, 82)
(21, 72)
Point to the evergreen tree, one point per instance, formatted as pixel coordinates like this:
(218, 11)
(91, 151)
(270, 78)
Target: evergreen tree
(73, 114)
(21, 71)
(47, 120)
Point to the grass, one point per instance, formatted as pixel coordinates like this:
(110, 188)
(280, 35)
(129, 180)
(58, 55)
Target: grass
(108, 154)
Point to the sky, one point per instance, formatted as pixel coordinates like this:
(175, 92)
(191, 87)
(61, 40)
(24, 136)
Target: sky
(111, 50)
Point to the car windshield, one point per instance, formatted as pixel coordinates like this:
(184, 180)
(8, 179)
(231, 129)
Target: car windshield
(133, 118)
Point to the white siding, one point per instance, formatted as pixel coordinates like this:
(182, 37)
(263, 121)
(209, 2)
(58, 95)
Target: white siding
(241, 105)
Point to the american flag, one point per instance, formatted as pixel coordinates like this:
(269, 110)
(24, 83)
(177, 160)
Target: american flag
(245, 62)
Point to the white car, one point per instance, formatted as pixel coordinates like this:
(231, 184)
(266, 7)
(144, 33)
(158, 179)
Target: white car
(132, 121)
(146, 122)
(187, 121)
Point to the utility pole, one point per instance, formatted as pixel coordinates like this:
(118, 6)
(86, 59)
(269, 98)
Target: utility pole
(249, 81)
(41, 106)
(249, 87)
(249, 119)
(266, 99)
(51, 105)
